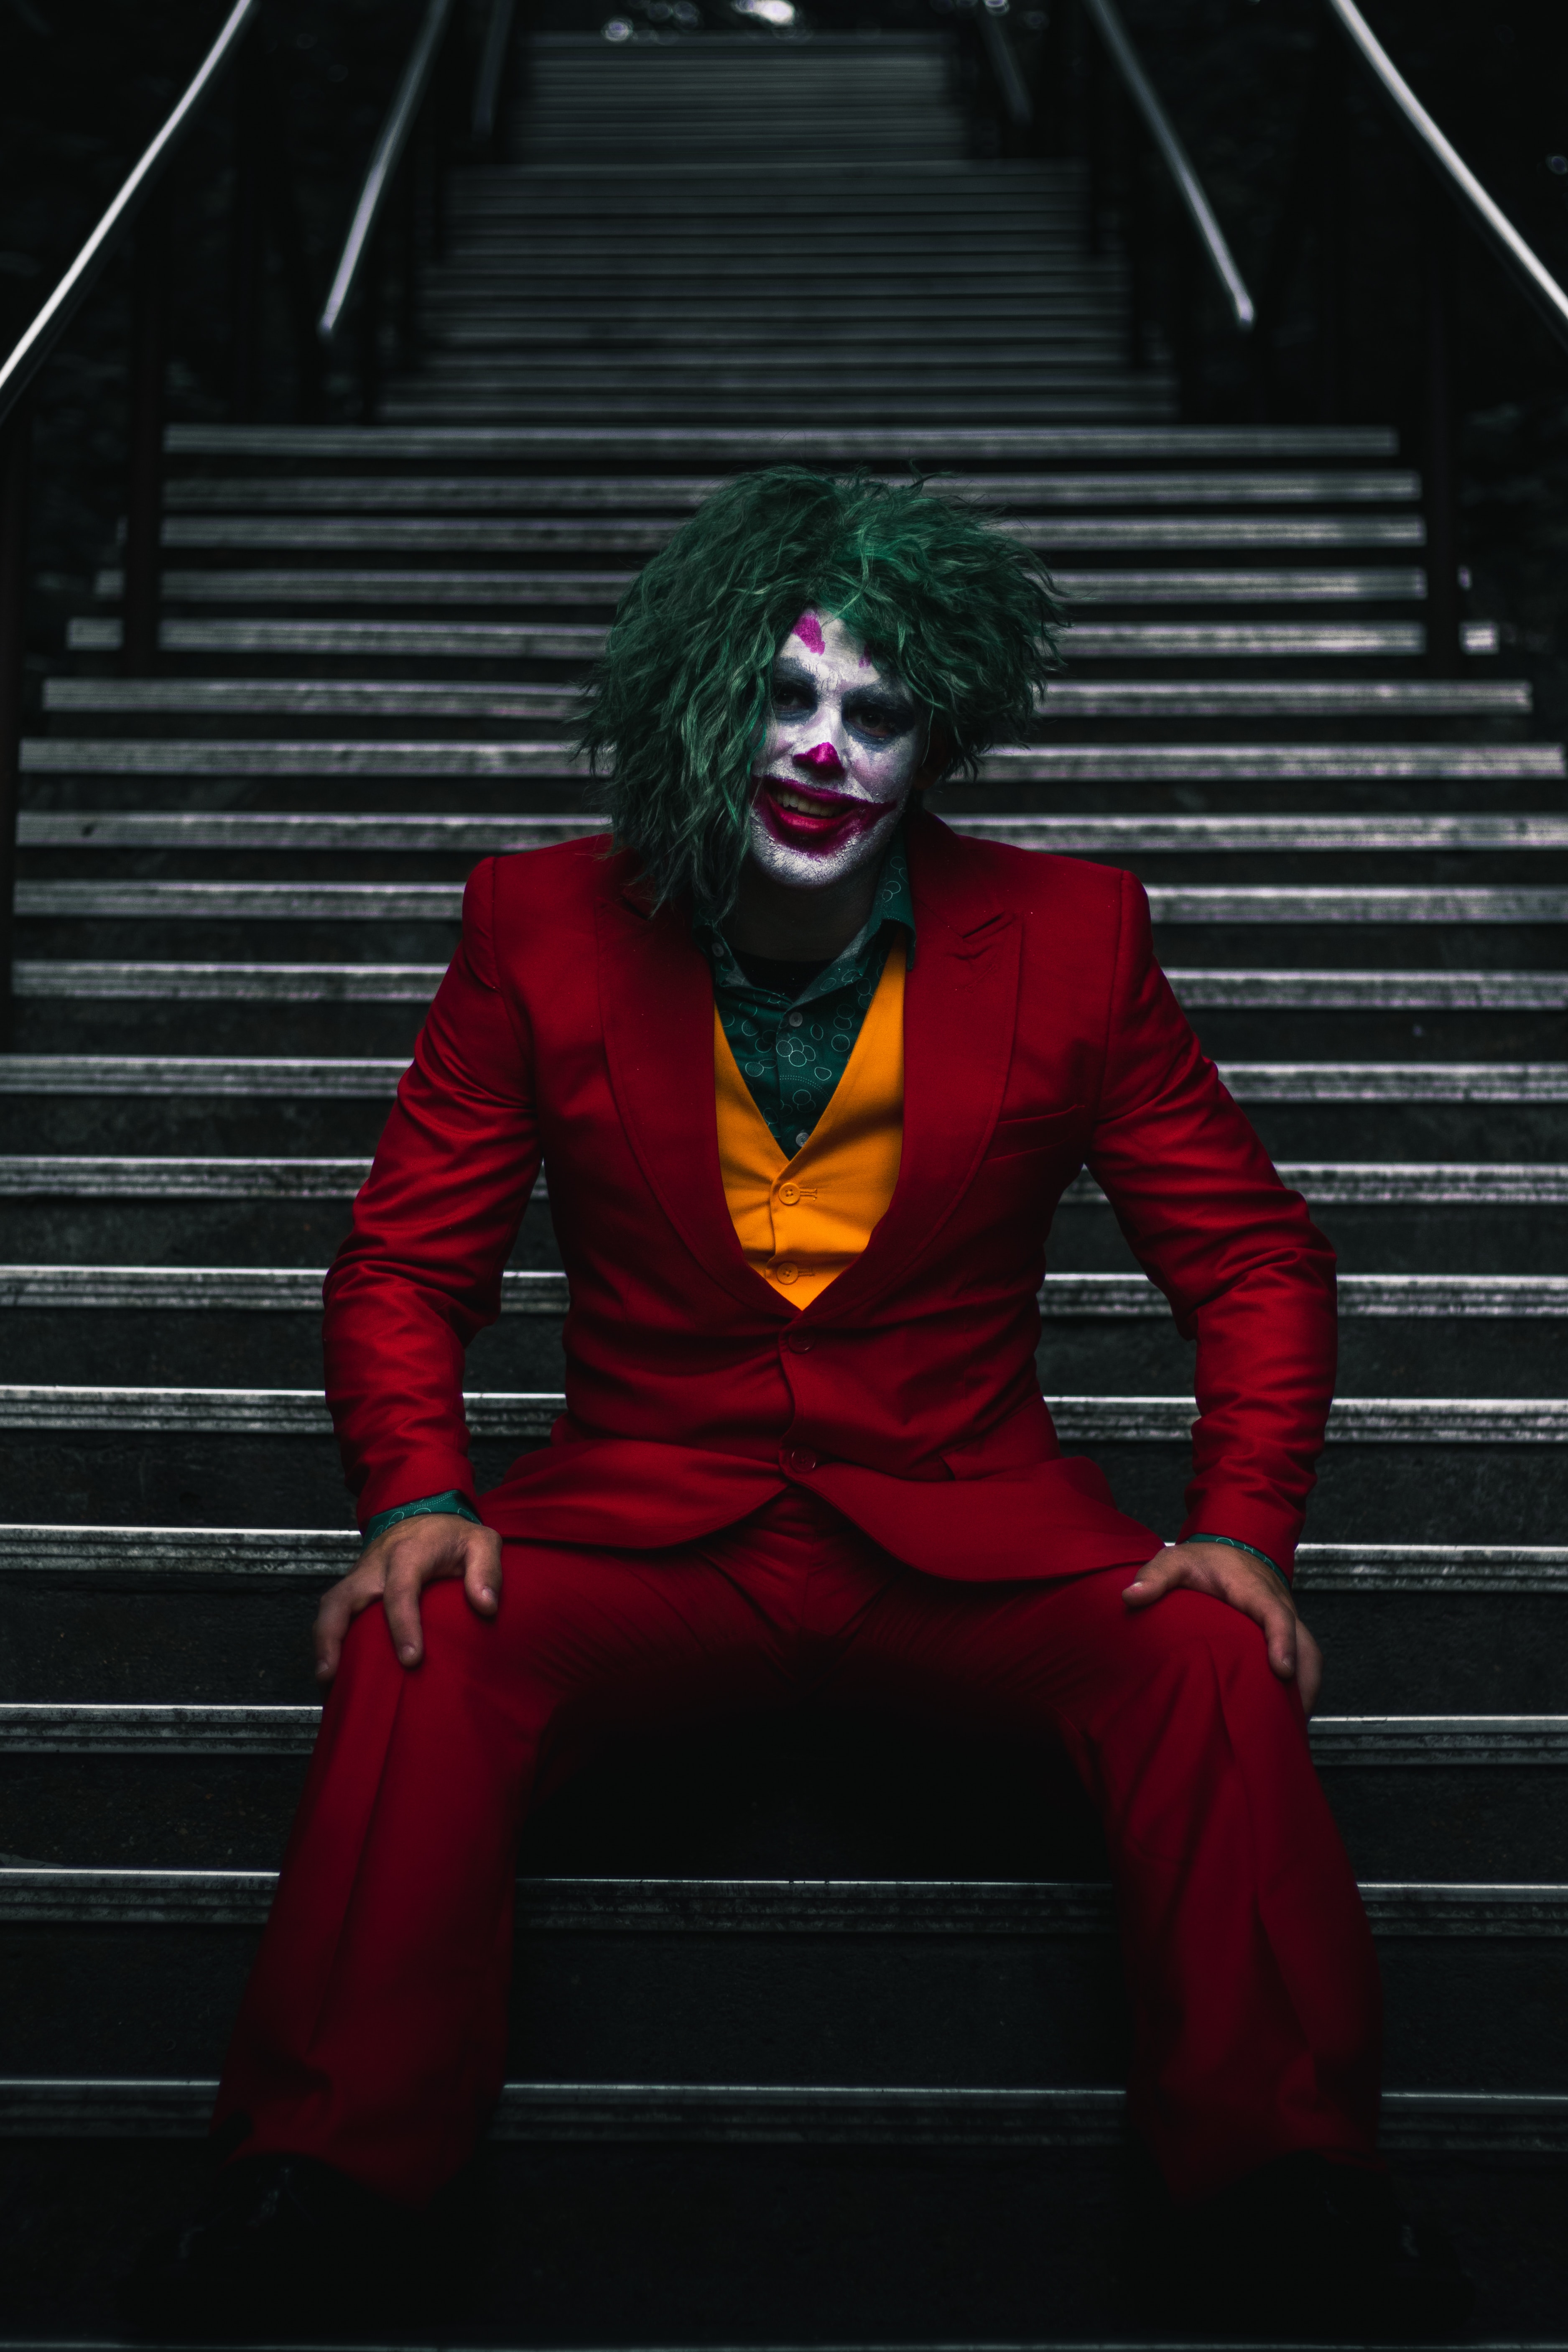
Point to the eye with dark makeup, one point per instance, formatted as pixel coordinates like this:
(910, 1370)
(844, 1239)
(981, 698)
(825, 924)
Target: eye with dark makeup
(880, 716)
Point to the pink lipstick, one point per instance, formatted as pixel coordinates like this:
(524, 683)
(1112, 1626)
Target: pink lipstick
(831, 818)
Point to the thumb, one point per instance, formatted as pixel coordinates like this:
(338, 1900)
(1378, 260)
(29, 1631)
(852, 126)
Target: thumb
(1153, 1579)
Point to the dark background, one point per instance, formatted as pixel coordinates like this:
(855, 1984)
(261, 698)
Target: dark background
(85, 82)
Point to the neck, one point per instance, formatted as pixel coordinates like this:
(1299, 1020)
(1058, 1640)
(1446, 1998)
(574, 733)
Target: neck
(769, 918)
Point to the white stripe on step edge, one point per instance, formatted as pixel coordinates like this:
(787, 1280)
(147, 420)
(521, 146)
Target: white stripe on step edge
(121, 1553)
(523, 1414)
(533, 1291)
(1483, 2122)
(305, 1074)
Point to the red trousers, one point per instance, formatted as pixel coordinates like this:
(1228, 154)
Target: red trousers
(374, 2030)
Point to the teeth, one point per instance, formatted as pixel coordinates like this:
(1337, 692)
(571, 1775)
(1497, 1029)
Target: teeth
(798, 801)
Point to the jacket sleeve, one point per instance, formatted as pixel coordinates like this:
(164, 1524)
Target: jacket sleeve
(420, 1271)
(1248, 1274)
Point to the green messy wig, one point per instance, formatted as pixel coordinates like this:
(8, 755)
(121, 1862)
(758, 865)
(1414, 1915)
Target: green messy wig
(678, 701)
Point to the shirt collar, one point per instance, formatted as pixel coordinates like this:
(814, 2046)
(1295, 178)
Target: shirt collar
(891, 902)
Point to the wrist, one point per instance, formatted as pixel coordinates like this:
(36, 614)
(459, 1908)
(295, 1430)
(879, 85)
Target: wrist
(1234, 1543)
(450, 1504)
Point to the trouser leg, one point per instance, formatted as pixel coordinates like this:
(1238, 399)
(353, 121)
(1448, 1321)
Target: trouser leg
(1250, 1964)
(372, 2033)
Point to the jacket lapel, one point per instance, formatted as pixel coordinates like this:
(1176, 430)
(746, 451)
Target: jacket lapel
(961, 1001)
(655, 999)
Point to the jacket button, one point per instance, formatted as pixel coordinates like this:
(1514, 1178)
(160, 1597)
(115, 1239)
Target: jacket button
(789, 1194)
(798, 1342)
(802, 1458)
(786, 1272)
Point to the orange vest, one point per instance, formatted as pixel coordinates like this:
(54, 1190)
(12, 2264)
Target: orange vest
(802, 1221)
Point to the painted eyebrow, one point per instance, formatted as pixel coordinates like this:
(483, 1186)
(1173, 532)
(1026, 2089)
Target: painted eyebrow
(787, 671)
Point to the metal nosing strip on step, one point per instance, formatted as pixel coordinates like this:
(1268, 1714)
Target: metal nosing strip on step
(729, 445)
(773, 2115)
(263, 1077)
(1374, 991)
(540, 641)
(442, 902)
(186, 1289)
(556, 494)
(293, 831)
(114, 1728)
(531, 1413)
(1378, 1184)
(328, 584)
(1070, 699)
(148, 1556)
(41, 1895)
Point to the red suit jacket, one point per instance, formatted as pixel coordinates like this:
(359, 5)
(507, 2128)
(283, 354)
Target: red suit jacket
(1039, 1033)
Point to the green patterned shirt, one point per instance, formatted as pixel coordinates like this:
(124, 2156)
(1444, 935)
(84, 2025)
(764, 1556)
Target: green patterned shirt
(792, 1051)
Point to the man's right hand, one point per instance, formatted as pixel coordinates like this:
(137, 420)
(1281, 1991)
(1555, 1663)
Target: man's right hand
(394, 1571)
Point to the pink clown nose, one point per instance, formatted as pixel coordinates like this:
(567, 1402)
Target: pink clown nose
(823, 759)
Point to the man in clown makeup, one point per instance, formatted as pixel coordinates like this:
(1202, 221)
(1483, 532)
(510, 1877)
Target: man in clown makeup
(811, 1072)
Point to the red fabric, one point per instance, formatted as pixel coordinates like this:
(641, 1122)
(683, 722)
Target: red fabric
(372, 2035)
(1038, 1033)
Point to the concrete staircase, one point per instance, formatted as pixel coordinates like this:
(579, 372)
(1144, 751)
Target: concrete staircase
(817, 2032)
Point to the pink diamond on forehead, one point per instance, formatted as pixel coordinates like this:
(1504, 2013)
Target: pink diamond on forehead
(808, 629)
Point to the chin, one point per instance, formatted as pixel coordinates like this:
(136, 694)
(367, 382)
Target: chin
(805, 869)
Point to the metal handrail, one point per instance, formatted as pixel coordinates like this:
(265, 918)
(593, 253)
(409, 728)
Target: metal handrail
(395, 133)
(1108, 24)
(1528, 273)
(39, 340)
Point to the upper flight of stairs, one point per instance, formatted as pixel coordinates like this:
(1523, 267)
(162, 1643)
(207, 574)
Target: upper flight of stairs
(857, 1986)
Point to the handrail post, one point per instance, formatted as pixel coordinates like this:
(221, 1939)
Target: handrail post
(16, 453)
(144, 502)
(1438, 452)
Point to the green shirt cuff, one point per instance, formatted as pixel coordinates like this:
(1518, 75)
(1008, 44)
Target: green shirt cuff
(451, 1501)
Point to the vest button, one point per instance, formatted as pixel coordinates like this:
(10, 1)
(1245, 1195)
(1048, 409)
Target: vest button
(802, 1458)
(789, 1194)
(786, 1272)
(798, 1343)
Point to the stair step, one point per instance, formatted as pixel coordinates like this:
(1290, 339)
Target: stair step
(1269, 903)
(1398, 1185)
(137, 1556)
(1474, 2122)
(326, 584)
(522, 1413)
(557, 494)
(60, 1727)
(264, 1075)
(457, 535)
(239, 832)
(1069, 700)
(580, 641)
(38, 1895)
(1376, 991)
(1113, 1296)
(742, 444)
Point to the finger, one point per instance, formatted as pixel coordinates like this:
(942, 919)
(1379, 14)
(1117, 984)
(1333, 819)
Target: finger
(401, 1602)
(1309, 1668)
(482, 1573)
(338, 1608)
(1154, 1579)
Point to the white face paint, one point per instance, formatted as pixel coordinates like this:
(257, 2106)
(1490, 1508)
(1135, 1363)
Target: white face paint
(843, 749)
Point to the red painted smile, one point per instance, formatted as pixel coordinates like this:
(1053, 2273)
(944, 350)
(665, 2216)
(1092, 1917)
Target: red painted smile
(804, 816)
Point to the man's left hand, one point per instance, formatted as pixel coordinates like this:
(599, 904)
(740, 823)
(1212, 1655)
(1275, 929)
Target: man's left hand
(1235, 1578)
